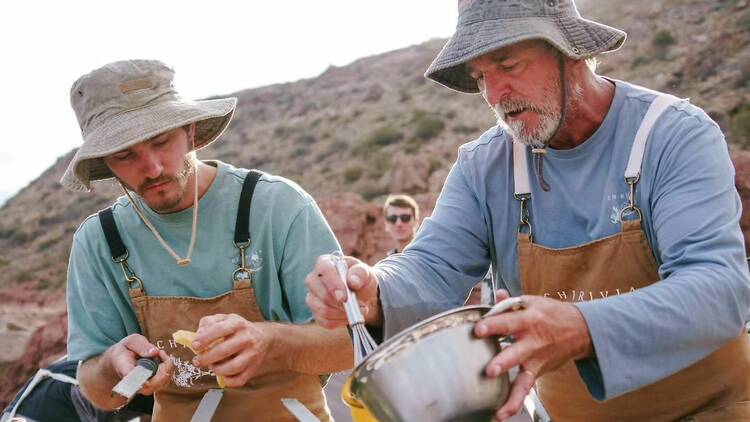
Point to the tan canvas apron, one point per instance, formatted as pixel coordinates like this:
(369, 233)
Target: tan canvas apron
(258, 400)
(160, 316)
(716, 388)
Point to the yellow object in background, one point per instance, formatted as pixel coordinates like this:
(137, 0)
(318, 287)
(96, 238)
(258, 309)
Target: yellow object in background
(359, 411)
(185, 338)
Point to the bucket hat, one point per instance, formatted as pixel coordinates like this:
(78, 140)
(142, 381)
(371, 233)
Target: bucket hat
(487, 25)
(127, 102)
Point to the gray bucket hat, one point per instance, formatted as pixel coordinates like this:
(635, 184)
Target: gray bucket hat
(487, 25)
(124, 103)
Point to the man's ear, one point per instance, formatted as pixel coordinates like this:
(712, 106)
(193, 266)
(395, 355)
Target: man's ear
(191, 132)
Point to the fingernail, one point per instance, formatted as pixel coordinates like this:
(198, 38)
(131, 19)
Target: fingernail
(339, 295)
(196, 345)
(481, 329)
(196, 362)
(356, 282)
(152, 350)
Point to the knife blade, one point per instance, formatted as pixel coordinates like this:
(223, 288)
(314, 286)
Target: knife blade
(299, 410)
(144, 369)
(207, 406)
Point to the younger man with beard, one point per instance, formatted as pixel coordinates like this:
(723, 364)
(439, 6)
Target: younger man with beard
(623, 243)
(193, 245)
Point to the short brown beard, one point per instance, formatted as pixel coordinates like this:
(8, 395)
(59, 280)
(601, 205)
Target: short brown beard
(188, 164)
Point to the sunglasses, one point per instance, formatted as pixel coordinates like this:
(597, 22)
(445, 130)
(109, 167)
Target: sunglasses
(405, 218)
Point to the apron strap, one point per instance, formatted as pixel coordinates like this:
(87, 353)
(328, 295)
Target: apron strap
(633, 170)
(520, 171)
(109, 226)
(658, 106)
(522, 186)
(242, 227)
(118, 251)
(242, 276)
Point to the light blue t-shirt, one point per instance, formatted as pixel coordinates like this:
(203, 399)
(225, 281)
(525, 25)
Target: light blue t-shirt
(691, 213)
(288, 233)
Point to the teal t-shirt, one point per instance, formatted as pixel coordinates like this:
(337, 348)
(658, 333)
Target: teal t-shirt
(288, 233)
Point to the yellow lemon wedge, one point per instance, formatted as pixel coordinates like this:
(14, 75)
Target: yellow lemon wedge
(185, 338)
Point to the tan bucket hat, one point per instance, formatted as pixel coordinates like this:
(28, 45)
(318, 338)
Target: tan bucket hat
(487, 25)
(127, 102)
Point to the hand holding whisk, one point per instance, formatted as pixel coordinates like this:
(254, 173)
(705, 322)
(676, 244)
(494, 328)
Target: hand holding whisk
(361, 340)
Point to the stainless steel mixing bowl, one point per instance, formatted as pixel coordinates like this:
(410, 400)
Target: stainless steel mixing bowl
(433, 371)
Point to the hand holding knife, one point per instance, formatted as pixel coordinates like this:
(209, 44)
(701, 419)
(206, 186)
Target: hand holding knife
(144, 369)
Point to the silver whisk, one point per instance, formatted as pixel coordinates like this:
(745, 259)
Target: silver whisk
(361, 340)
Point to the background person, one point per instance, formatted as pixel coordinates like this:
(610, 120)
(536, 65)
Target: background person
(401, 214)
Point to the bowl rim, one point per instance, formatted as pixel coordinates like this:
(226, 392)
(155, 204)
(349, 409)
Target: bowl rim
(383, 351)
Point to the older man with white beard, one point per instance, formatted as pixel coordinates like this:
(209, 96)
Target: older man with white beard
(623, 243)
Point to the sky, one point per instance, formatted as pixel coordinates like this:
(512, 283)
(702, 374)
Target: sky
(216, 47)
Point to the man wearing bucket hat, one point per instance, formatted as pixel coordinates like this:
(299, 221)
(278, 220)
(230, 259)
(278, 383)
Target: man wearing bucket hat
(623, 243)
(248, 239)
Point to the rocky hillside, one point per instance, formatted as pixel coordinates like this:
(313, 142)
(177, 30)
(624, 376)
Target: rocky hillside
(372, 127)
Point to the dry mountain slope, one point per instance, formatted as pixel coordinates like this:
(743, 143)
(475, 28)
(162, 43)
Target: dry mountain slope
(377, 125)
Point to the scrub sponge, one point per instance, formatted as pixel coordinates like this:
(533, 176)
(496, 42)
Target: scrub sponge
(186, 338)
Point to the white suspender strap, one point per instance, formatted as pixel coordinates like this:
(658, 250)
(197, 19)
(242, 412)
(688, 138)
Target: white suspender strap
(658, 106)
(520, 170)
(633, 171)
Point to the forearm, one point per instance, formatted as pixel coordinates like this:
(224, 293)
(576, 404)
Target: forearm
(310, 349)
(415, 286)
(449, 255)
(96, 378)
(661, 329)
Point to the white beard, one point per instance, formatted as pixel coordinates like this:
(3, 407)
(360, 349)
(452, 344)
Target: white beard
(537, 136)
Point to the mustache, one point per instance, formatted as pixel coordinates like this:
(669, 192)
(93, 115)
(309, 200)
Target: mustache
(188, 166)
(505, 107)
(153, 182)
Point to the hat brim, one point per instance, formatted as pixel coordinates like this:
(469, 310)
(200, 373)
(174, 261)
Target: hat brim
(576, 37)
(124, 130)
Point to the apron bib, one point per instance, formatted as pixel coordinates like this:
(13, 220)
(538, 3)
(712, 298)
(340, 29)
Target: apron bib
(160, 316)
(717, 388)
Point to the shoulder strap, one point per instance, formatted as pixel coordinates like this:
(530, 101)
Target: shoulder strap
(109, 226)
(520, 171)
(242, 226)
(655, 110)
(241, 233)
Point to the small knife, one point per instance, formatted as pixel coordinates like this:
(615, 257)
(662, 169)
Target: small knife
(144, 369)
(207, 406)
(299, 410)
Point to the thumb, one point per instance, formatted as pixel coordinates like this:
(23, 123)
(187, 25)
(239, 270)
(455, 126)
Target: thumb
(140, 345)
(361, 278)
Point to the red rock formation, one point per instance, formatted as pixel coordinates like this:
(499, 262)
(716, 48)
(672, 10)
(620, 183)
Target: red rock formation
(45, 346)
